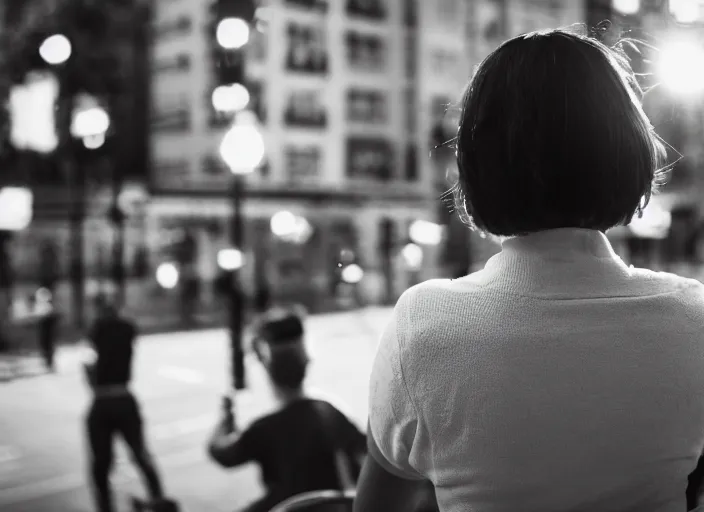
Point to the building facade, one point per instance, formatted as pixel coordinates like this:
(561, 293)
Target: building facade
(120, 171)
(336, 86)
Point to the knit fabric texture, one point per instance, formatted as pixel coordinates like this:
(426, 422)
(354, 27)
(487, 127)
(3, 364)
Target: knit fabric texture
(555, 379)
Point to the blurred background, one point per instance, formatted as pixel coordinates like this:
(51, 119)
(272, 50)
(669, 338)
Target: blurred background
(178, 152)
(118, 109)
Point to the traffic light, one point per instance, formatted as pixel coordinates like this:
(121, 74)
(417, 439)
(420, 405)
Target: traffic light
(229, 31)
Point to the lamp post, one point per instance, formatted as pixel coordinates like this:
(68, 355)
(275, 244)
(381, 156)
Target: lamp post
(56, 50)
(242, 149)
(90, 123)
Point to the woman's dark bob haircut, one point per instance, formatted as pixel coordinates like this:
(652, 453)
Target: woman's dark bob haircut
(553, 134)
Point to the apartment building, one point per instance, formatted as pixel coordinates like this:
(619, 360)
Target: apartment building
(341, 89)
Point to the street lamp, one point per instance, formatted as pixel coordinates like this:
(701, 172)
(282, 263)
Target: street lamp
(242, 149)
(55, 49)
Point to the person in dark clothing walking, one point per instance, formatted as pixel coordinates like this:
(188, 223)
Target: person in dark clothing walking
(47, 320)
(114, 409)
(299, 447)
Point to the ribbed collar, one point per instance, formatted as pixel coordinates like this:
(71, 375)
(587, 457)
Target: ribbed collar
(567, 263)
(565, 243)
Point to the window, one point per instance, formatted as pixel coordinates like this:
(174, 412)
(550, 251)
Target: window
(173, 28)
(367, 106)
(410, 109)
(491, 20)
(305, 109)
(218, 119)
(171, 168)
(258, 46)
(410, 13)
(307, 49)
(448, 11)
(411, 162)
(371, 9)
(257, 101)
(213, 165)
(313, 5)
(411, 56)
(181, 62)
(302, 162)
(444, 62)
(174, 119)
(369, 158)
(366, 52)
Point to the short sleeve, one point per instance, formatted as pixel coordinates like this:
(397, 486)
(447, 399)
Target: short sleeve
(393, 419)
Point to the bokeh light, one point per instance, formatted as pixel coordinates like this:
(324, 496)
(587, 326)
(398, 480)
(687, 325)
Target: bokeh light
(167, 275)
(412, 256)
(425, 233)
(681, 67)
(230, 98)
(352, 274)
(232, 33)
(230, 259)
(55, 49)
(90, 122)
(242, 148)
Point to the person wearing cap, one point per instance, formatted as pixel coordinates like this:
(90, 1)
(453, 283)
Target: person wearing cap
(298, 446)
(114, 409)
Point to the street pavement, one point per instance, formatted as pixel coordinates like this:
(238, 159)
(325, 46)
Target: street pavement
(179, 378)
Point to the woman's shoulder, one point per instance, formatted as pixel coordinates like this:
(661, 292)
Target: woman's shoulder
(434, 289)
(667, 282)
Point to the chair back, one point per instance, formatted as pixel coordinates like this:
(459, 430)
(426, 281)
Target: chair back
(318, 501)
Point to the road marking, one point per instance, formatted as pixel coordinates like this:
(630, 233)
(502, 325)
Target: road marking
(51, 486)
(9, 454)
(40, 489)
(181, 374)
(183, 427)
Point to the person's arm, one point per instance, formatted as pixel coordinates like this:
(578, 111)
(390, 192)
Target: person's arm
(383, 488)
(230, 448)
(90, 355)
(354, 442)
(392, 478)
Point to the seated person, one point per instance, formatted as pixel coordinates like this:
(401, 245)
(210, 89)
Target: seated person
(307, 444)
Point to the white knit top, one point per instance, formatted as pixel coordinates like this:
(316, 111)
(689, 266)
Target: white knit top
(555, 379)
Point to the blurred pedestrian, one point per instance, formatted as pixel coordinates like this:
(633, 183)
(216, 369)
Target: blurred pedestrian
(47, 319)
(307, 444)
(114, 409)
(557, 377)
